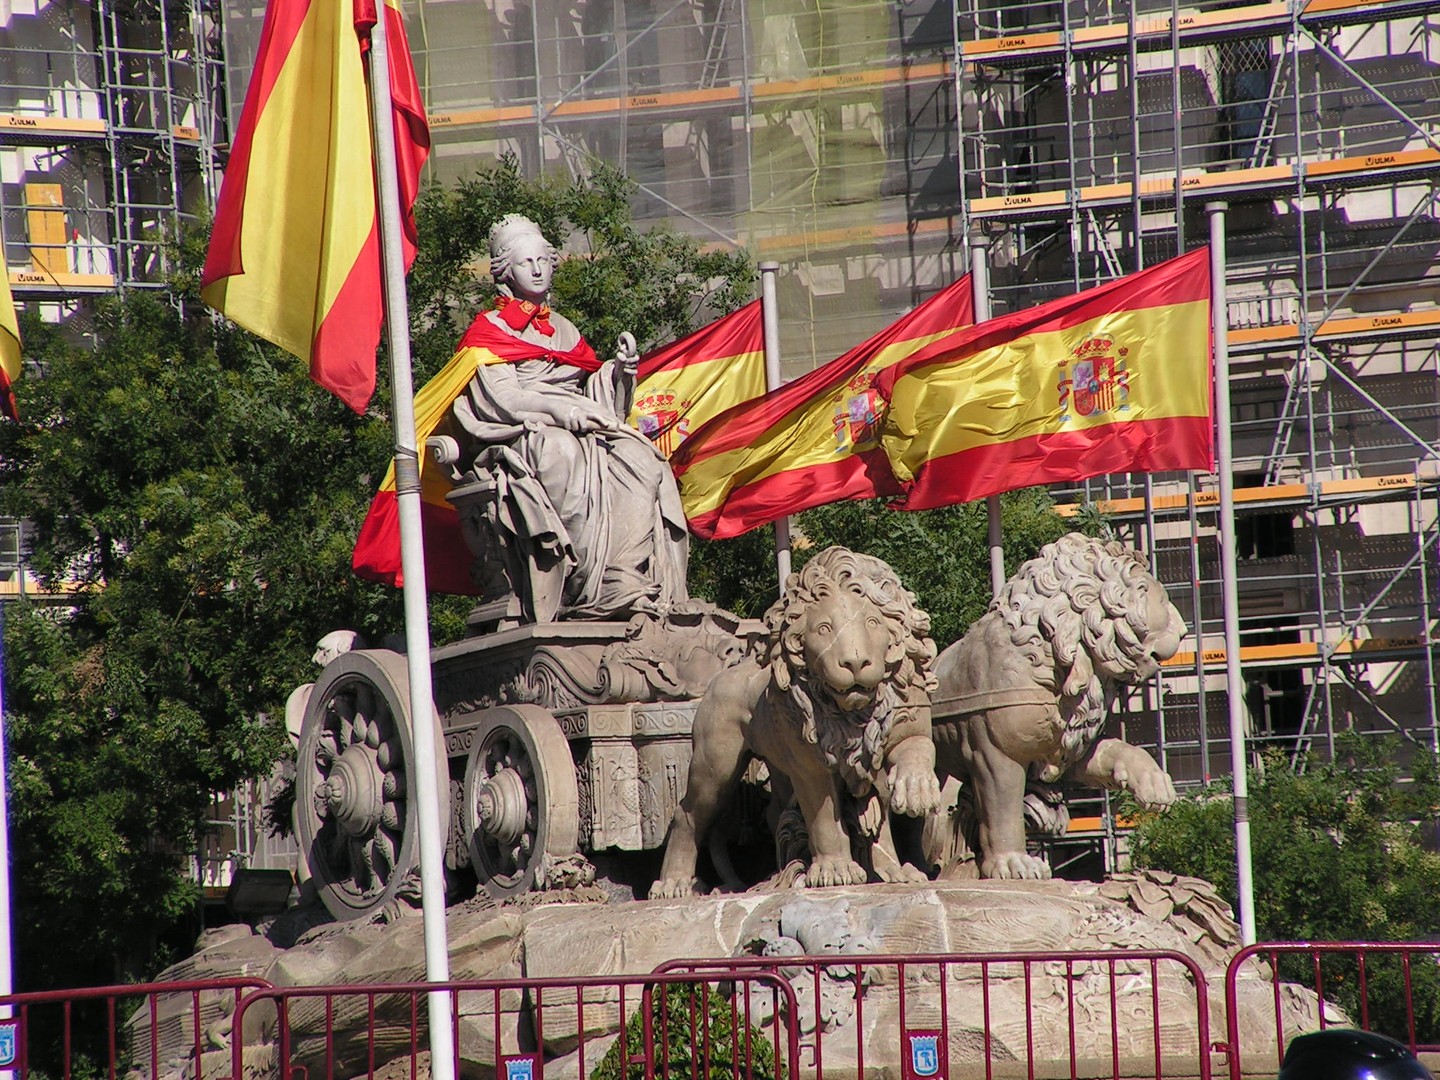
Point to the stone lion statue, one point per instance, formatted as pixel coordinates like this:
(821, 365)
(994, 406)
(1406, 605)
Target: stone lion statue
(837, 705)
(1023, 695)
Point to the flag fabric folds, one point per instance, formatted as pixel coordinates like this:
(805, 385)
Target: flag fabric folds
(295, 252)
(9, 349)
(682, 385)
(1113, 379)
(813, 441)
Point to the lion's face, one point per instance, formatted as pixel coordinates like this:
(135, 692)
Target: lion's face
(1164, 628)
(846, 643)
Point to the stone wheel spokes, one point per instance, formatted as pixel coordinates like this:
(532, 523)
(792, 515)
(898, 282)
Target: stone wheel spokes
(355, 771)
(522, 804)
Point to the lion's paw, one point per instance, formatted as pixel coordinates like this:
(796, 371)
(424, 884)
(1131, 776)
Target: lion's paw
(914, 793)
(1015, 866)
(904, 873)
(834, 870)
(1153, 790)
(675, 888)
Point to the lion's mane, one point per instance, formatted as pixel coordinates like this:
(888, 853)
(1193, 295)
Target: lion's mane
(853, 743)
(1079, 601)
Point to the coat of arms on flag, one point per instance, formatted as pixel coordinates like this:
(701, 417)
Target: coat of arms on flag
(660, 415)
(857, 419)
(9, 1042)
(1093, 379)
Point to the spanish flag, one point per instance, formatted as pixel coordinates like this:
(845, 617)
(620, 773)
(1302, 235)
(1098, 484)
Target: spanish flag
(9, 349)
(1113, 379)
(813, 441)
(295, 252)
(685, 383)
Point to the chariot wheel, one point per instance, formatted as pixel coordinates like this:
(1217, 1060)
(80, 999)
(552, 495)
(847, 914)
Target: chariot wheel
(522, 804)
(355, 770)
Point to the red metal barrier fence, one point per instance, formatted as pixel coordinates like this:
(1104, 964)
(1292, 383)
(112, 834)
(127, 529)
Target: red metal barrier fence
(116, 1031)
(669, 1026)
(1119, 1014)
(1130, 1013)
(1375, 983)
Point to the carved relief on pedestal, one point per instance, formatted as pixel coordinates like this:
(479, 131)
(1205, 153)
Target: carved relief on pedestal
(663, 766)
(614, 787)
(673, 658)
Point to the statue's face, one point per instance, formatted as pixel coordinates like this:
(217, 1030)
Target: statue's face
(530, 268)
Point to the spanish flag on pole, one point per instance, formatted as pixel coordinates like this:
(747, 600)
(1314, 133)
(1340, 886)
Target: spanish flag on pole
(1113, 379)
(295, 252)
(813, 441)
(9, 348)
(682, 385)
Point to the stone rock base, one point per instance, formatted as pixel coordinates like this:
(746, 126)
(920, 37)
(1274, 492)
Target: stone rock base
(1032, 1009)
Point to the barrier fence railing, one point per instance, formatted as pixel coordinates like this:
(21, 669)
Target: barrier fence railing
(1374, 983)
(700, 1026)
(115, 1031)
(1079, 1013)
(1117, 1013)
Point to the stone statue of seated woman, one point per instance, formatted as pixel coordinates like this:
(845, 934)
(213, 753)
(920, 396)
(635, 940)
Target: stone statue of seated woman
(577, 510)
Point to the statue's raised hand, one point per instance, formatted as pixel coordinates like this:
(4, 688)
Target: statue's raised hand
(627, 358)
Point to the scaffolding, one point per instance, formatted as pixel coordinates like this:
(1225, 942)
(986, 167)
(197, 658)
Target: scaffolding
(864, 144)
(1092, 141)
(110, 131)
(820, 132)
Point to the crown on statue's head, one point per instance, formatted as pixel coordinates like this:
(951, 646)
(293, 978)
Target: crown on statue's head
(509, 229)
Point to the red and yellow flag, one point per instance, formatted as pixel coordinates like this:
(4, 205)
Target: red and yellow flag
(685, 383)
(1113, 379)
(295, 252)
(9, 348)
(447, 557)
(813, 441)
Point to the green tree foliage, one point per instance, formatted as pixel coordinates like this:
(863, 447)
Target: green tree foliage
(696, 1033)
(202, 497)
(658, 284)
(942, 555)
(1338, 854)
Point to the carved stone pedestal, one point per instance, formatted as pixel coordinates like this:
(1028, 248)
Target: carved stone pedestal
(1053, 1012)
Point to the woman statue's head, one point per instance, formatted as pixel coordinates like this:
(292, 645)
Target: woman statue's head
(521, 257)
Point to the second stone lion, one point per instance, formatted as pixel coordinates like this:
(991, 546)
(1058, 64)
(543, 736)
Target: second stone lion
(838, 708)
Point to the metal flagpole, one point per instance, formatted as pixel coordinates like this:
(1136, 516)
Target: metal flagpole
(770, 321)
(412, 561)
(7, 984)
(980, 302)
(1234, 687)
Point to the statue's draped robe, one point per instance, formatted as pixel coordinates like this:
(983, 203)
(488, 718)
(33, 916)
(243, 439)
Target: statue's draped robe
(604, 502)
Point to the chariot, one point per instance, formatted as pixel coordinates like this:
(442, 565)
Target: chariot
(561, 740)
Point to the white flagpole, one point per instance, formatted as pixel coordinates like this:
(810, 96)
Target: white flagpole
(770, 321)
(980, 303)
(7, 984)
(1234, 686)
(412, 562)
